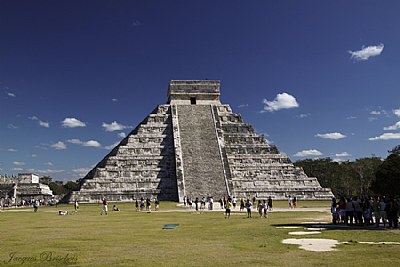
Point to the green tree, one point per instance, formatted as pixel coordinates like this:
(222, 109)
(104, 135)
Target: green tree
(388, 176)
(58, 188)
(71, 186)
(45, 180)
(366, 169)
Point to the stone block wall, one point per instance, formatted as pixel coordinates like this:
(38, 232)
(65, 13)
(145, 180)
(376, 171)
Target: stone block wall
(142, 165)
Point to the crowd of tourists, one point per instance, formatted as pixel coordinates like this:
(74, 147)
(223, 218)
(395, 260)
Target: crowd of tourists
(228, 203)
(366, 211)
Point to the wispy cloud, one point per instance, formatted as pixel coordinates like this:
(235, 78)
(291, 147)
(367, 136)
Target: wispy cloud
(59, 145)
(11, 94)
(111, 146)
(81, 171)
(386, 136)
(41, 123)
(90, 143)
(122, 135)
(310, 152)
(281, 101)
(48, 171)
(331, 135)
(12, 126)
(243, 105)
(394, 127)
(366, 52)
(302, 116)
(396, 112)
(19, 163)
(343, 154)
(114, 100)
(351, 118)
(11, 150)
(136, 23)
(72, 123)
(114, 126)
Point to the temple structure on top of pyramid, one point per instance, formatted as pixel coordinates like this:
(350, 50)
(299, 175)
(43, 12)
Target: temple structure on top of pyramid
(195, 146)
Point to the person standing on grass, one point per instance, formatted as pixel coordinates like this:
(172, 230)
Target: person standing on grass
(392, 209)
(234, 202)
(196, 204)
(342, 209)
(221, 203)
(349, 212)
(76, 205)
(294, 202)
(382, 210)
(270, 203)
(290, 201)
(157, 203)
(228, 209)
(260, 208)
(105, 206)
(137, 205)
(248, 207)
(241, 204)
(148, 205)
(190, 202)
(35, 205)
(265, 206)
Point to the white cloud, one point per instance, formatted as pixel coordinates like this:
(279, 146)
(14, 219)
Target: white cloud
(90, 143)
(394, 127)
(49, 163)
(72, 123)
(305, 153)
(41, 123)
(122, 135)
(44, 124)
(114, 126)
(11, 94)
(302, 116)
(59, 145)
(331, 135)
(18, 163)
(81, 171)
(48, 171)
(375, 112)
(396, 112)
(366, 52)
(386, 136)
(351, 118)
(243, 105)
(281, 101)
(343, 154)
(112, 146)
(114, 100)
(17, 169)
(11, 150)
(12, 126)
(33, 155)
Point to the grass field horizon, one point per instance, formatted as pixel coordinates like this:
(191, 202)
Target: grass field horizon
(131, 238)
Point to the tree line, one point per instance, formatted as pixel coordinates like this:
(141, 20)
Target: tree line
(368, 176)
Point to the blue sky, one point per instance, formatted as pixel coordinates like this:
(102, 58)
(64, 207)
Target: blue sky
(318, 78)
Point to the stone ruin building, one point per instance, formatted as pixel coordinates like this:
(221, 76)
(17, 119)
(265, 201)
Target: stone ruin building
(195, 146)
(25, 187)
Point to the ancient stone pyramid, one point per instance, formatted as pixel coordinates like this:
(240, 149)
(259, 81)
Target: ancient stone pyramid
(195, 146)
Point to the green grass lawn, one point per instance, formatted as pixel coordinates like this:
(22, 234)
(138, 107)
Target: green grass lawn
(130, 238)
